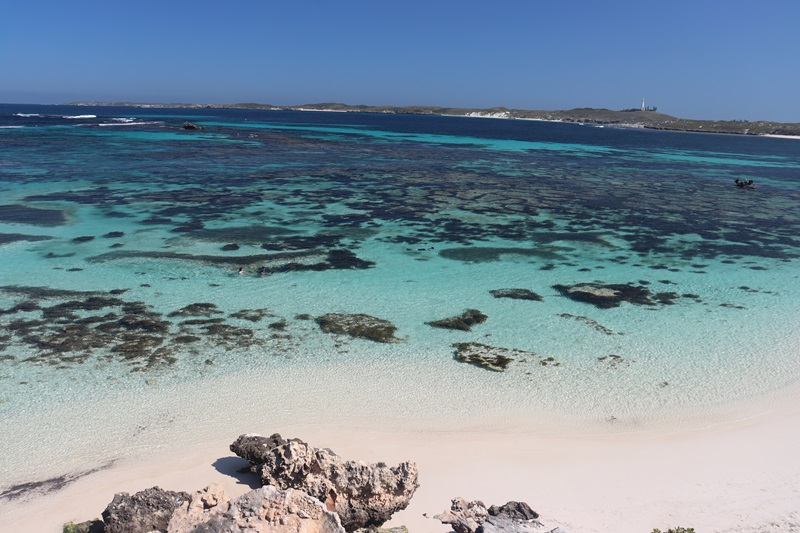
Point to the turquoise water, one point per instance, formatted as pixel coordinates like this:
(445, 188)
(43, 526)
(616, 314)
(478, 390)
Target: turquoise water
(109, 235)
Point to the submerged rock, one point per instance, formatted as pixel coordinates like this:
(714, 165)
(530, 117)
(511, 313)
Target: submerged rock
(364, 495)
(516, 294)
(462, 322)
(484, 356)
(606, 296)
(359, 325)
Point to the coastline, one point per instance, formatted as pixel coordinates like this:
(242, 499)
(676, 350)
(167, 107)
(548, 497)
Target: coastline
(647, 119)
(730, 470)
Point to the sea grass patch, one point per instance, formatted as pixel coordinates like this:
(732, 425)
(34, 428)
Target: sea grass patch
(34, 216)
(75, 327)
(8, 238)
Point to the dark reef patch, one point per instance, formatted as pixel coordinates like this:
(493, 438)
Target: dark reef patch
(264, 263)
(516, 294)
(253, 315)
(462, 322)
(480, 254)
(611, 295)
(94, 325)
(191, 226)
(7, 238)
(303, 242)
(240, 234)
(94, 196)
(45, 292)
(34, 216)
(495, 358)
(156, 221)
(197, 309)
(483, 356)
(358, 325)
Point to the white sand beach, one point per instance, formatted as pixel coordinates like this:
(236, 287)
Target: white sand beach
(736, 471)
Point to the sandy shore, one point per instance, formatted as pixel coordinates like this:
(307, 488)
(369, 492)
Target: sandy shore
(739, 473)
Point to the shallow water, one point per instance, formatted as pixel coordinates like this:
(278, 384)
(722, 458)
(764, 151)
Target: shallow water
(114, 224)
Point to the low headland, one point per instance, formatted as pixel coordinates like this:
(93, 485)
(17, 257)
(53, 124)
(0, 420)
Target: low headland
(584, 115)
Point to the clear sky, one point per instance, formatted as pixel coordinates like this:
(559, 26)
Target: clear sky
(714, 59)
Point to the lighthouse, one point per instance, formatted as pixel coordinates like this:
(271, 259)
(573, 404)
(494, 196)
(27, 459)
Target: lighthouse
(643, 108)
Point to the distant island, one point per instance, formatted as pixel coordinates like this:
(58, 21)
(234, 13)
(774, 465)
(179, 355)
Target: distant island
(647, 118)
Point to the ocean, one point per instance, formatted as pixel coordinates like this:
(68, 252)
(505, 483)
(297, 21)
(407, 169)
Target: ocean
(160, 284)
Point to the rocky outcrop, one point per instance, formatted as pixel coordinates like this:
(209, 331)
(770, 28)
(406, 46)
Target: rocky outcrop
(474, 517)
(144, 512)
(359, 325)
(255, 449)
(363, 495)
(264, 510)
(463, 322)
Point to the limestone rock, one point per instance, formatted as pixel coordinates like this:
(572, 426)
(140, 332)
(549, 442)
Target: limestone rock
(364, 495)
(464, 516)
(396, 529)
(474, 517)
(90, 526)
(463, 322)
(255, 448)
(144, 512)
(264, 510)
(358, 325)
(514, 511)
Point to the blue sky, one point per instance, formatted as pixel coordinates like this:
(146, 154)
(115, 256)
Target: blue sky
(723, 59)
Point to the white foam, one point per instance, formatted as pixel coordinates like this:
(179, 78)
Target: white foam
(117, 124)
(78, 116)
(27, 115)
